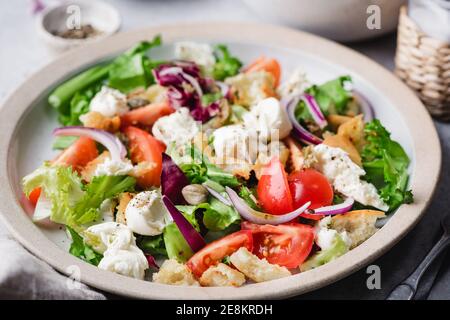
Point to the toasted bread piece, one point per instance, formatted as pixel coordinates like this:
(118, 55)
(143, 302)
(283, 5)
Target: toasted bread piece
(96, 120)
(88, 171)
(257, 269)
(124, 199)
(354, 131)
(336, 120)
(222, 275)
(174, 273)
(296, 159)
(359, 224)
(345, 144)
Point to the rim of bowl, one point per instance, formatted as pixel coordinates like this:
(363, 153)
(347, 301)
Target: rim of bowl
(424, 175)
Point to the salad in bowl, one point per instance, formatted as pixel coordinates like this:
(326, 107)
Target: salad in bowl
(205, 171)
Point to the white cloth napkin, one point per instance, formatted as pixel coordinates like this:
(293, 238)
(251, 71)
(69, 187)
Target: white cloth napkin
(23, 276)
(432, 16)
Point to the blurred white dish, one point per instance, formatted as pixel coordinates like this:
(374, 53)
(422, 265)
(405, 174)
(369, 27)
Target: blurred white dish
(101, 15)
(341, 20)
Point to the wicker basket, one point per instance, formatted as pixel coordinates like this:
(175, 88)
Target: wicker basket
(424, 64)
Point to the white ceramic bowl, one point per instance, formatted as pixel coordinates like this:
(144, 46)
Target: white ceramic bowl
(341, 20)
(28, 121)
(101, 15)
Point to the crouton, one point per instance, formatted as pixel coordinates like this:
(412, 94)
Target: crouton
(222, 275)
(88, 171)
(353, 130)
(359, 224)
(174, 273)
(124, 199)
(296, 158)
(248, 89)
(96, 120)
(257, 269)
(274, 148)
(335, 120)
(345, 144)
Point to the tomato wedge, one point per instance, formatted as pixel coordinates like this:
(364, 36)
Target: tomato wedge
(78, 155)
(287, 245)
(146, 116)
(214, 252)
(270, 65)
(145, 148)
(310, 185)
(273, 190)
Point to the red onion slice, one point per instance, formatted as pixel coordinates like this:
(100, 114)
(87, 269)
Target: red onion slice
(193, 238)
(366, 107)
(298, 131)
(259, 217)
(111, 142)
(332, 210)
(217, 195)
(314, 110)
(151, 261)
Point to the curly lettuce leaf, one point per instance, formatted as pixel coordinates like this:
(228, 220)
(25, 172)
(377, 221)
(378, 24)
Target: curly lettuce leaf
(80, 249)
(322, 257)
(386, 165)
(63, 188)
(226, 65)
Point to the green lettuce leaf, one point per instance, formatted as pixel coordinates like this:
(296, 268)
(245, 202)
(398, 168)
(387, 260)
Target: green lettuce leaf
(386, 165)
(226, 65)
(175, 244)
(132, 69)
(80, 249)
(62, 187)
(97, 191)
(322, 257)
(199, 169)
(332, 97)
(63, 142)
(153, 245)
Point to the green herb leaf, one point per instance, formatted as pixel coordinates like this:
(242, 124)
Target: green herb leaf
(226, 65)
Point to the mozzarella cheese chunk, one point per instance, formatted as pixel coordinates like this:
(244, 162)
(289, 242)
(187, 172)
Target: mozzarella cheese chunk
(200, 53)
(109, 102)
(146, 214)
(118, 245)
(222, 275)
(269, 119)
(178, 127)
(345, 175)
(130, 263)
(111, 167)
(234, 142)
(257, 269)
(295, 84)
(325, 237)
(174, 273)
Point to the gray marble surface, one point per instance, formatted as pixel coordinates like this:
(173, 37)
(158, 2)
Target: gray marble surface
(22, 53)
